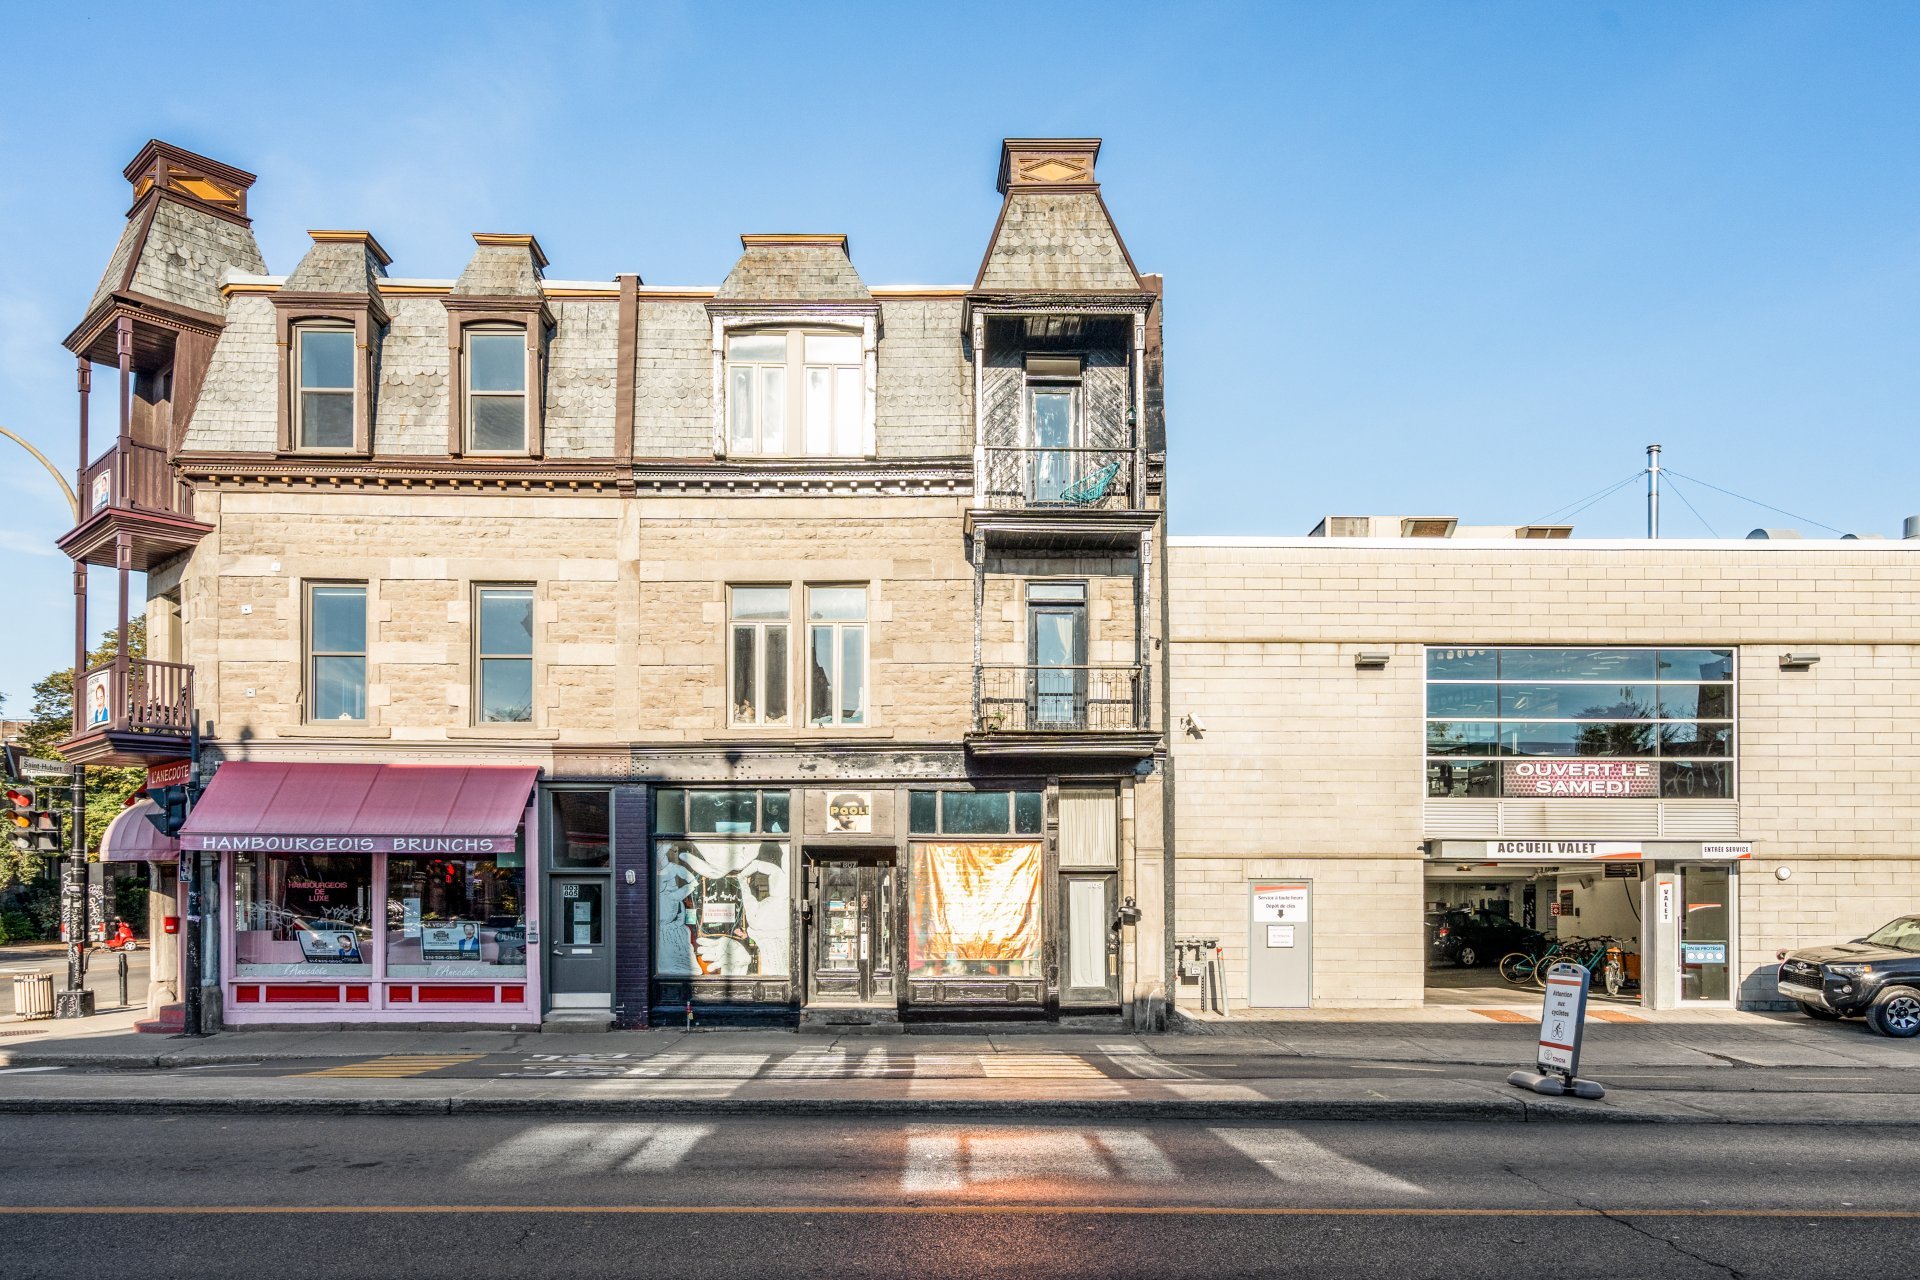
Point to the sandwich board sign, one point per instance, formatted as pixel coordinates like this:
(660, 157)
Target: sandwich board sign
(1563, 1019)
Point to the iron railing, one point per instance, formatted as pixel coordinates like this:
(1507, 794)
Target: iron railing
(1059, 479)
(140, 695)
(1055, 699)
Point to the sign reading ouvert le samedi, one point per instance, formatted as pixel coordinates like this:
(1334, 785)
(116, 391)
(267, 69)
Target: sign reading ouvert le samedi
(1594, 779)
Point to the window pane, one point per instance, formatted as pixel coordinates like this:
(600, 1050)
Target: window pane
(506, 689)
(670, 811)
(1056, 592)
(973, 813)
(819, 411)
(837, 604)
(506, 622)
(1690, 781)
(773, 410)
(746, 707)
(1460, 664)
(720, 812)
(499, 423)
(765, 348)
(1576, 664)
(920, 812)
(326, 420)
(722, 908)
(740, 409)
(1029, 812)
(820, 675)
(326, 358)
(755, 603)
(975, 910)
(497, 361)
(301, 915)
(1696, 740)
(848, 393)
(1696, 664)
(775, 712)
(853, 675)
(1702, 701)
(1461, 699)
(340, 688)
(833, 348)
(581, 834)
(454, 917)
(1578, 702)
(339, 619)
(1464, 778)
(1052, 424)
(1534, 738)
(1463, 738)
(774, 806)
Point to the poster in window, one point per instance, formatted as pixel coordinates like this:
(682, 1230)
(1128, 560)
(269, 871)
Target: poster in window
(850, 813)
(976, 910)
(723, 908)
(99, 710)
(321, 945)
(454, 940)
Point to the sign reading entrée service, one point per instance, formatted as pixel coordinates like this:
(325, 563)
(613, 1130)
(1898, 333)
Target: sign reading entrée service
(1602, 779)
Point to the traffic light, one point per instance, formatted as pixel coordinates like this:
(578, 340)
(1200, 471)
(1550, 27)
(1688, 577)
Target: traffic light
(34, 830)
(171, 805)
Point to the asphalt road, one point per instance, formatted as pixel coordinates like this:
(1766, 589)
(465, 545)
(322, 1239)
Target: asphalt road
(103, 974)
(694, 1197)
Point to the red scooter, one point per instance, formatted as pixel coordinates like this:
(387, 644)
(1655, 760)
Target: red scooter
(121, 939)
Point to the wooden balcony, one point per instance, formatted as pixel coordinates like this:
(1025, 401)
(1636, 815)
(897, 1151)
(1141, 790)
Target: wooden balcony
(1062, 710)
(135, 711)
(132, 490)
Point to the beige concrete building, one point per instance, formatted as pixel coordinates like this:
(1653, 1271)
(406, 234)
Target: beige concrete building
(797, 636)
(1705, 749)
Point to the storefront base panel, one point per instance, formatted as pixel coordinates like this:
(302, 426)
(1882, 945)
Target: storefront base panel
(1822, 901)
(1364, 920)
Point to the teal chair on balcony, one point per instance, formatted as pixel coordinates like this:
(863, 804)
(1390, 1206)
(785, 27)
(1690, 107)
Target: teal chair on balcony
(1091, 489)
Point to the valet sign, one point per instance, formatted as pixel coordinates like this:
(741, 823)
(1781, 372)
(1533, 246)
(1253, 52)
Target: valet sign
(1603, 779)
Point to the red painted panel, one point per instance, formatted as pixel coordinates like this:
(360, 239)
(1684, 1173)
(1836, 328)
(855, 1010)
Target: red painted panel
(513, 993)
(455, 995)
(358, 995)
(302, 995)
(399, 995)
(246, 995)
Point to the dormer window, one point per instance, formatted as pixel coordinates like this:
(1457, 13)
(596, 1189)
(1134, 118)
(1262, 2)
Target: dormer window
(496, 390)
(324, 407)
(796, 392)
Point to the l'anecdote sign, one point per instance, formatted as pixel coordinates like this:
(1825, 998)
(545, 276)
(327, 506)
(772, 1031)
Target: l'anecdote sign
(1603, 779)
(348, 844)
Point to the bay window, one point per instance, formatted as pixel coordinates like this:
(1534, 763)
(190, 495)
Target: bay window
(813, 380)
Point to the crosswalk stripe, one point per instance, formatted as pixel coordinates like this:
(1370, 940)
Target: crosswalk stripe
(396, 1065)
(1298, 1160)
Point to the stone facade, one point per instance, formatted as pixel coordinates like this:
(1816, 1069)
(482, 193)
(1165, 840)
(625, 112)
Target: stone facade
(1311, 766)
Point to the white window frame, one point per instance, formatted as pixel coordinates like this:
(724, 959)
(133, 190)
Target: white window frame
(760, 628)
(794, 327)
(835, 677)
(300, 391)
(467, 334)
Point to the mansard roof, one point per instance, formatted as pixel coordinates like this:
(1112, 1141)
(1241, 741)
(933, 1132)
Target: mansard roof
(350, 262)
(792, 269)
(1054, 232)
(502, 266)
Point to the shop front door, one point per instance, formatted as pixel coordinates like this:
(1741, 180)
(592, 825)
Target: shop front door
(1091, 943)
(579, 942)
(850, 930)
(1706, 933)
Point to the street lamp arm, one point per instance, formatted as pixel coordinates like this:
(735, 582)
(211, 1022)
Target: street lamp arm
(51, 470)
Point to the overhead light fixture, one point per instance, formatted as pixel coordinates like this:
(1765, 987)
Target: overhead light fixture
(1371, 661)
(1798, 661)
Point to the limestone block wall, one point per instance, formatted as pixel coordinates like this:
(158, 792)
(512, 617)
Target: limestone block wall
(1824, 901)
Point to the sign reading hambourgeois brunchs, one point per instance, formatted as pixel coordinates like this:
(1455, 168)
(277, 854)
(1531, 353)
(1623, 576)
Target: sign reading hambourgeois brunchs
(1602, 779)
(349, 844)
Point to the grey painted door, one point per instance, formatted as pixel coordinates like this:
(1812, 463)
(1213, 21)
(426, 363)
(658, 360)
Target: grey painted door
(579, 941)
(1280, 943)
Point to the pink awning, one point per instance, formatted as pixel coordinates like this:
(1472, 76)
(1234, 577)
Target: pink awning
(360, 808)
(131, 838)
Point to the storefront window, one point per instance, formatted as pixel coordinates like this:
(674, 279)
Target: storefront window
(976, 813)
(723, 908)
(298, 915)
(1535, 723)
(975, 910)
(724, 813)
(455, 917)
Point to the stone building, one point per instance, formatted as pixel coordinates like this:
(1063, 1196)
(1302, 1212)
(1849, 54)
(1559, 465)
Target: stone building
(597, 651)
(1704, 749)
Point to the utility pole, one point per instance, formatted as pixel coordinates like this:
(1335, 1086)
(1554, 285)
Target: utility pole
(1653, 491)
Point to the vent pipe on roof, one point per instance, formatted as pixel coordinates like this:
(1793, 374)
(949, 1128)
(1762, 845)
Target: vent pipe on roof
(1912, 527)
(1764, 534)
(1653, 491)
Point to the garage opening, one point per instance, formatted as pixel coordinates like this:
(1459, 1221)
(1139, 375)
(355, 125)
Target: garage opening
(1492, 930)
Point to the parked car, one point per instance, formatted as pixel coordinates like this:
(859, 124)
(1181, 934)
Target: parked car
(1470, 938)
(1876, 977)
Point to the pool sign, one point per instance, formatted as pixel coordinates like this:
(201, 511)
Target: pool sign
(1563, 1019)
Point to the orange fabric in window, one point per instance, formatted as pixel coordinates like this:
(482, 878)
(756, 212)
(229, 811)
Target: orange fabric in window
(974, 902)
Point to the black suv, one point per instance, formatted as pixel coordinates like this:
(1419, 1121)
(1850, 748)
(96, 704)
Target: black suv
(1877, 976)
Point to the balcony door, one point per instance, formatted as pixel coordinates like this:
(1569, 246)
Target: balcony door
(1052, 418)
(1057, 655)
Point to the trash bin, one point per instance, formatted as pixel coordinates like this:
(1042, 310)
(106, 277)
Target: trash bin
(33, 995)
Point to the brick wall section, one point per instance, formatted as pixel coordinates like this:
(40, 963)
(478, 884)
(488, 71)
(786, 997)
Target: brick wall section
(632, 903)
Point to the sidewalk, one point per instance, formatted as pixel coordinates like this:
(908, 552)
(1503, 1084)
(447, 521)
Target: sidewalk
(1421, 1065)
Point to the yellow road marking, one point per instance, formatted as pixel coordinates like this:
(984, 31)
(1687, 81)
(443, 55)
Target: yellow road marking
(395, 1065)
(910, 1210)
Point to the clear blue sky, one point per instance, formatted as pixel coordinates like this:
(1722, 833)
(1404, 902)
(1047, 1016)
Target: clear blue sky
(1449, 258)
